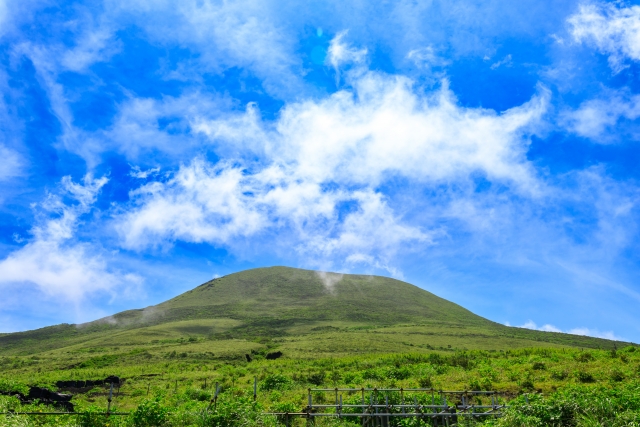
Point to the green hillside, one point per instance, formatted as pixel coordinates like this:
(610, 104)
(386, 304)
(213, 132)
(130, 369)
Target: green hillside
(304, 313)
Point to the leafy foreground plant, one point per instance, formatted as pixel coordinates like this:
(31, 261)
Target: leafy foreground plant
(578, 406)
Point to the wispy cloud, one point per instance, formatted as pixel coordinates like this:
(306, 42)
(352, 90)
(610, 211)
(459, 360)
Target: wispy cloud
(341, 54)
(596, 118)
(611, 29)
(575, 331)
(53, 260)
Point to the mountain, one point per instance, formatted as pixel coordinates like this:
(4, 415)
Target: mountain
(302, 312)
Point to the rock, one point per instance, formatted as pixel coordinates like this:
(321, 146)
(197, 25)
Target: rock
(112, 380)
(274, 355)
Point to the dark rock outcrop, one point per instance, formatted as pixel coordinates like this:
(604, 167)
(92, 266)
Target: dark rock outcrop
(45, 397)
(274, 355)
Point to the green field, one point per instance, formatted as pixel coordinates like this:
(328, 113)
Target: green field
(360, 331)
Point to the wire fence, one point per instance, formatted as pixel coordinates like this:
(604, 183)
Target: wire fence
(387, 406)
(383, 407)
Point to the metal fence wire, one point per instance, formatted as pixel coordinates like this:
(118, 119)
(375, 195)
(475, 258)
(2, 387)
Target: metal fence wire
(385, 407)
(379, 407)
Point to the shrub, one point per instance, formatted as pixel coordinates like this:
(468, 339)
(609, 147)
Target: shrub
(317, 378)
(585, 357)
(482, 384)
(425, 382)
(236, 412)
(399, 373)
(198, 394)
(284, 407)
(276, 382)
(373, 374)
(527, 384)
(461, 360)
(99, 361)
(93, 416)
(150, 413)
(616, 375)
(559, 375)
(351, 378)
(539, 366)
(13, 386)
(584, 377)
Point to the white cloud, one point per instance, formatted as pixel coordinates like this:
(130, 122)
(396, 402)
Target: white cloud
(3, 14)
(575, 331)
(547, 327)
(506, 61)
(382, 127)
(11, 165)
(144, 125)
(56, 264)
(427, 57)
(609, 335)
(323, 155)
(341, 53)
(597, 118)
(136, 172)
(92, 46)
(241, 34)
(612, 30)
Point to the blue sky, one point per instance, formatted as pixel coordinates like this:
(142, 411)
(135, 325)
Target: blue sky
(487, 151)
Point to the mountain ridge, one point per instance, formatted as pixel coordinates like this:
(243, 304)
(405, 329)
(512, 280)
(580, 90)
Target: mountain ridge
(283, 302)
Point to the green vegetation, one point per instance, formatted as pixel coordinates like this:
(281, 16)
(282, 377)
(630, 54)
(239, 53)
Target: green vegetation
(563, 387)
(360, 332)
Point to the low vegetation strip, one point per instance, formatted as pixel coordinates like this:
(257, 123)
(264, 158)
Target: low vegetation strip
(542, 386)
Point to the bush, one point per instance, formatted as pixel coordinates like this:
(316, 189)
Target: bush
(149, 413)
(483, 384)
(616, 375)
(575, 406)
(373, 374)
(527, 384)
(585, 377)
(559, 375)
(236, 412)
(13, 386)
(284, 407)
(399, 373)
(425, 382)
(317, 378)
(539, 366)
(585, 357)
(198, 394)
(99, 361)
(276, 382)
(93, 416)
(351, 378)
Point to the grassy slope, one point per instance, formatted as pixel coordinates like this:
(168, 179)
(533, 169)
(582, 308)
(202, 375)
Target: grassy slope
(293, 308)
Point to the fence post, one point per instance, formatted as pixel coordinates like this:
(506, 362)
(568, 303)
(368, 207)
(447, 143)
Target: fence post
(109, 400)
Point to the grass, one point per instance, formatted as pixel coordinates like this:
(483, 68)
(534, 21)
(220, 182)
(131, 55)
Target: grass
(183, 382)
